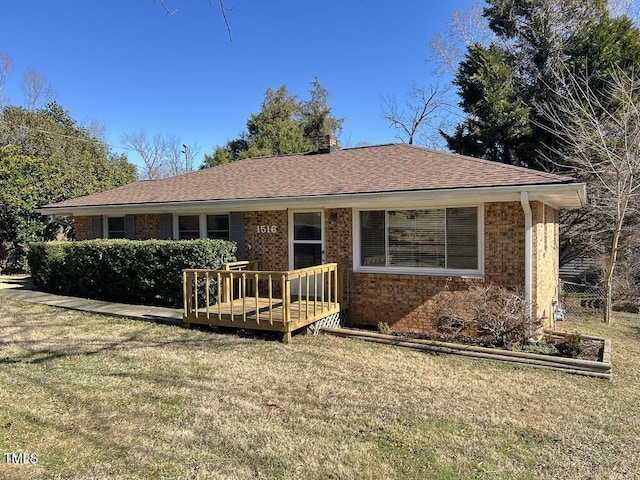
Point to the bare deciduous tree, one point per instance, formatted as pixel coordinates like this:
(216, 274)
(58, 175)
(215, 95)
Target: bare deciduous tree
(37, 92)
(599, 129)
(464, 28)
(152, 151)
(223, 10)
(94, 128)
(6, 67)
(624, 7)
(418, 112)
(162, 155)
(180, 156)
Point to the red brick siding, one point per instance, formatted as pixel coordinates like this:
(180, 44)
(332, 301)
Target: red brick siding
(339, 244)
(270, 249)
(147, 226)
(402, 301)
(504, 244)
(405, 301)
(82, 227)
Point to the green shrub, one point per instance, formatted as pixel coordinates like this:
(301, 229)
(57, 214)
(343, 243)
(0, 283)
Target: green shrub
(540, 348)
(571, 346)
(148, 272)
(45, 263)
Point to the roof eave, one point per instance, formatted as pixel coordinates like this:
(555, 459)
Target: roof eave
(562, 196)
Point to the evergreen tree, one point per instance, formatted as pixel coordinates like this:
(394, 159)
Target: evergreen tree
(46, 158)
(532, 41)
(284, 125)
(498, 121)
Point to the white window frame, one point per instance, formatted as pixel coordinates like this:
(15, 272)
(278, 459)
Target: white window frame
(357, 267)
(291, 233)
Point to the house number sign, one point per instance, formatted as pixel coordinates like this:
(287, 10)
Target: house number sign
(266, 229)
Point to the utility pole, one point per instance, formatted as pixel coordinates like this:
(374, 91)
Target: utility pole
(186, 157)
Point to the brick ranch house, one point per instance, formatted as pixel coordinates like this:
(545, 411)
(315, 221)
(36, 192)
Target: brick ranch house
(402, 222)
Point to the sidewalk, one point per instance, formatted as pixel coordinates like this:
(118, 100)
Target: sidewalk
(19, 287)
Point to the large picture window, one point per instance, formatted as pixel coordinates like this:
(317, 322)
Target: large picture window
(433, 239)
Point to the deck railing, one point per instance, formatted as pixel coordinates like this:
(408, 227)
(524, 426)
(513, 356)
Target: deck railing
(282, 298)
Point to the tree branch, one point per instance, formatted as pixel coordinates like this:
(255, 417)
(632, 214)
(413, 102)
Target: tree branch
(223, 10)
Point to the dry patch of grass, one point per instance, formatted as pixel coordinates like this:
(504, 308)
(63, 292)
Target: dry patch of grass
(98, 397)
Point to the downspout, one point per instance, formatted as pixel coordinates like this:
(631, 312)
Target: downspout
(528, 251)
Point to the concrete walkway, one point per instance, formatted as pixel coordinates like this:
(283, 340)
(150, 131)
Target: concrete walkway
(20, 287)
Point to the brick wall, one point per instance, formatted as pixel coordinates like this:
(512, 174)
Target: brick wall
(147, 226)
(504, 244)
(339, 244)
(82, 226)
(270, 249)
(402, 301)
(405, 301)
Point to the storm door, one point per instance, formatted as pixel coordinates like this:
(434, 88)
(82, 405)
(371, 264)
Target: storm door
(306, 246)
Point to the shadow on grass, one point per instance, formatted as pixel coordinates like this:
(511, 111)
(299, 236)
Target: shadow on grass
(54, 347)
(635, 330)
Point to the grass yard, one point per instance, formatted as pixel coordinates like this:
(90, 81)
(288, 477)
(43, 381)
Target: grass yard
(101, 398)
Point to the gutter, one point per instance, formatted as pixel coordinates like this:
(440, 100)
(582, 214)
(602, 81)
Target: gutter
(528, 251)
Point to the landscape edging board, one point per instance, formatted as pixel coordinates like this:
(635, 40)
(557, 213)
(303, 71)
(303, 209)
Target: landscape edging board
(600, 369)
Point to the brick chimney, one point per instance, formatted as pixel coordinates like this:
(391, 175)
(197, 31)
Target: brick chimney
(327, 143)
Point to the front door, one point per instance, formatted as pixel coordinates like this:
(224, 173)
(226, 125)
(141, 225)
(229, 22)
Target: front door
(306, 245)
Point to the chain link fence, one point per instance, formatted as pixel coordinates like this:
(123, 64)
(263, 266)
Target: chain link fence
(579, 299)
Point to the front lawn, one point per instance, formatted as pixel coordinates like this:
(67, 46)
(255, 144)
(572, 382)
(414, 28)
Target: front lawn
(101, 398)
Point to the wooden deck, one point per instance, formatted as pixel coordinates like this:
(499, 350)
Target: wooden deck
(275, 301)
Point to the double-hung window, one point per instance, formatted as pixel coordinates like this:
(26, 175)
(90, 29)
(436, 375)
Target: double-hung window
(191, 227)
(115, 227)
(434, 240)
(188, 227)
(218, 227)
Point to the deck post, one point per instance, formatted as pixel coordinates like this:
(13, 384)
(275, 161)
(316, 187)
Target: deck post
(255, 294)
(270, 299)
(286, 306)
(195, 293)
(219, 296)
(228, 281)
(186, 291)
(244, 297)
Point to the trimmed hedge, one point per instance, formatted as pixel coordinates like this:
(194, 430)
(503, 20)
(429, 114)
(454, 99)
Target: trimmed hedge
(146, 272)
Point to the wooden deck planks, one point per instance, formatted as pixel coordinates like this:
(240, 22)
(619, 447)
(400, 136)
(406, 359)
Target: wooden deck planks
(293, 310)
(269, 315)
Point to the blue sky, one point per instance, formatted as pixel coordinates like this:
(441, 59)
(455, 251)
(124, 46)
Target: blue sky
(128, 65)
